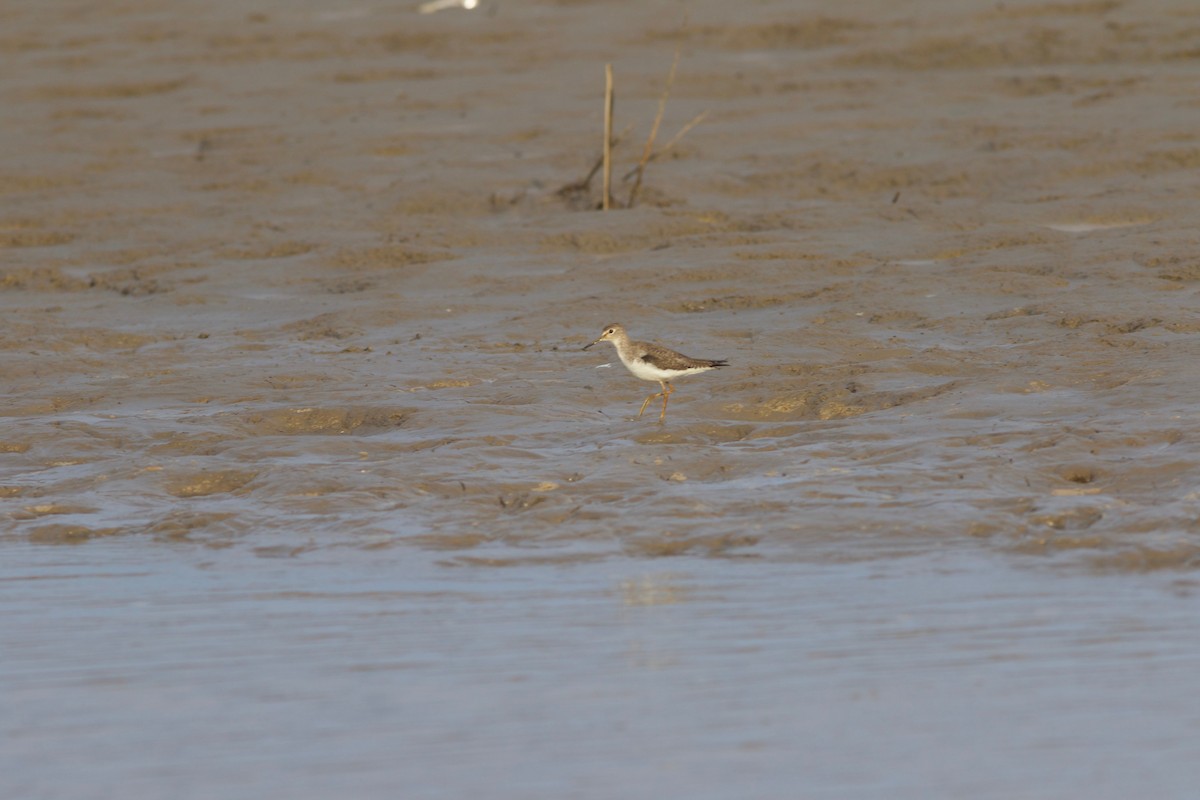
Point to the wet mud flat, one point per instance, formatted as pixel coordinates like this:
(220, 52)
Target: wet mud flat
(317, 277)
(298, 286)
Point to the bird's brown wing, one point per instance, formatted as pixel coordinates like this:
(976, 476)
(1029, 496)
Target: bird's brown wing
(650, 359)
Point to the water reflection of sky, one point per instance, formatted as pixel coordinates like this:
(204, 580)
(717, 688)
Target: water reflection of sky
(375, 672)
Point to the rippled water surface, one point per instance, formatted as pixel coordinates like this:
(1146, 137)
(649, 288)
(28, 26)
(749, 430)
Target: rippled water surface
(146, 671)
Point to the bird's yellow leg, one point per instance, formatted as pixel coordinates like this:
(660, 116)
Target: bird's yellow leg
(646, 402)
(666, 393)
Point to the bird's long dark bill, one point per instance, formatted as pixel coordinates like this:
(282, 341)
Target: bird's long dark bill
(586, 346)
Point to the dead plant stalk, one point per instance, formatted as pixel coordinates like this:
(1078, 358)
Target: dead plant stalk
(606, 201)
(658, 118)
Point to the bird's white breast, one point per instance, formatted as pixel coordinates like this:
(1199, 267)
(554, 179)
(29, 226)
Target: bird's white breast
(649, 372)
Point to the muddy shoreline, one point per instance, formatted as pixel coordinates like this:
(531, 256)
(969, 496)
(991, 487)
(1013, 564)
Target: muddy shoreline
(307, 487)
(952, 266)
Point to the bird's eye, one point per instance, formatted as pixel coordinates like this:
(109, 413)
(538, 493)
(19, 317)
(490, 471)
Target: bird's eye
(610, 330)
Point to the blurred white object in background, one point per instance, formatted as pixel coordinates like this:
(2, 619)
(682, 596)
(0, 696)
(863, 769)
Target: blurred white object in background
(442, 5)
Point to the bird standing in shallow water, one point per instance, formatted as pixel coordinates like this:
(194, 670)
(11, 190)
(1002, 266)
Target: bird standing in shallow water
(652, 362)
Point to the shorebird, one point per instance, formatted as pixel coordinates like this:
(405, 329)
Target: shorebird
(652, 362)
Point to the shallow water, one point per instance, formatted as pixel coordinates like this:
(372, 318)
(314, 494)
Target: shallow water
(307, 487)
(146, 670)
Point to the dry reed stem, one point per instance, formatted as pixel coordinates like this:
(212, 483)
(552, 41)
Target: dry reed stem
(666, 148)
(649, 148)
(608, 115)
(696, 120)
(604, 162)
(582, 185)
